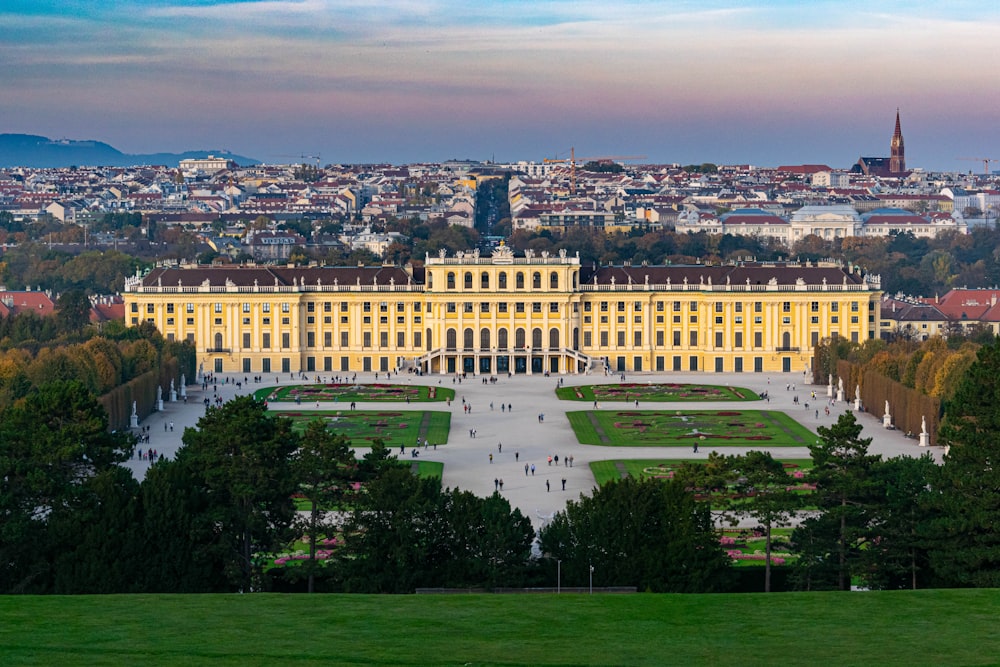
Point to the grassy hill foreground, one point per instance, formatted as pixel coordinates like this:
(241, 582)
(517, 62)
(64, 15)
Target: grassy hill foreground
(934, 627)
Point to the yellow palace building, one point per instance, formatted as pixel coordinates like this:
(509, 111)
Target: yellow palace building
(473, 314)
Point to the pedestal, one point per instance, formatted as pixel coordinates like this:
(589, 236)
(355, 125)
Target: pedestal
(159, 404)
(829, 391)
(840, 395)
(134, 422)
(923, 439)
(857, 404)
(173, 395)
(887, 420)
(184, 391)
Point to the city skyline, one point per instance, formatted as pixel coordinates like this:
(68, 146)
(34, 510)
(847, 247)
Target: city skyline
(763, 83)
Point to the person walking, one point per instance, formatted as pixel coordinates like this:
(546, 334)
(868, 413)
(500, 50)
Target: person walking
(491, 458)
(547, 489)
(516, 455)
(525, 469)
(501, 483)
(499, 448)
(564, 483)
(532, 469)
(496, 484)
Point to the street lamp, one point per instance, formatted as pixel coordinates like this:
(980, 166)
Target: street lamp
(591, 579)
(558, 576)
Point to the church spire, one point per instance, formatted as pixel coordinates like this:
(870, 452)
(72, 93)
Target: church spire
(897, 154)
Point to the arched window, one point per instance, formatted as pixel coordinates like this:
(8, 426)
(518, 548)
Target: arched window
(484, 281)
(574, 279)
(468, 280)
(430, 280)
(576, 338)
(428, 340)
(553, 338)
(536, 338)
(484, 339)
(519, 339)
(519, 281)
(502, 280)
(468, 338)
(451, 336)
(451, 280)
(554, 280)
(502, 339)
(786, 340)
(536, 280)
(218, 341)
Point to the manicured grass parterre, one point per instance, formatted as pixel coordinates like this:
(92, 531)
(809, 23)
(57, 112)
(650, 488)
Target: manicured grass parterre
(396, 428)
(708, 428)
(348, 392)
(932, 627)
(606, 471)
(655, 392)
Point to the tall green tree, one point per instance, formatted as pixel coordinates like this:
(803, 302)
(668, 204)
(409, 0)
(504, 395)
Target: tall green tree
(897, 556)
(762, 487)
(324, 468)
(242, 457)
(648, 534)
(968, 543)
(52, 445)
(831, 543)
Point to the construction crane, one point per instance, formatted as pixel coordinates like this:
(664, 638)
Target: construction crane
(572, 159)
(985, 160)
(303, 156)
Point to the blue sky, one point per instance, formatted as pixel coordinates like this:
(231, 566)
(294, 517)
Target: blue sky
(764, 83)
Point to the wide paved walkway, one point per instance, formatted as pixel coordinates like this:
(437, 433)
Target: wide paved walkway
(467, 460)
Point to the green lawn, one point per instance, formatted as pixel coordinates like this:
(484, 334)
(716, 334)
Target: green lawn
(396, 427)
(655, 392)
(937, 627)
(346, 393)
(606, 471)
(684, 428)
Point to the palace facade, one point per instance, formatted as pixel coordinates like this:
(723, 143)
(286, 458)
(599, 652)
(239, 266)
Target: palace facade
(498, 314)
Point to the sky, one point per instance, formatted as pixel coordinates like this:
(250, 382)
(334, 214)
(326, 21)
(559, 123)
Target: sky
(730, 82)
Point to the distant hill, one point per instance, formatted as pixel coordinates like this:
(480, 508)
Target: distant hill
(28, 150)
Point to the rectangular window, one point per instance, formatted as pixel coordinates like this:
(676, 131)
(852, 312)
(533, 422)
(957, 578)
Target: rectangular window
(814, 307)
(345, 364)
(190, 307)
(677, 339)
(484, 307)
(758, 339)
(383, 320)
(677, 308)
(659, 339)
(718, 339)
(757, 319)
(246, 321)
(327, 308)
(502, 307)
(366, 339)
(621, 319)
(311, 307)
(786, 320)
(604, 339)
(417, 338)
(310, 320)
(738, 341)
(450, 307)
(693, 306)
(718, 320)
(553, 307)
(637, 338)
(588, 339)
(758, 307)
(266, 308)
(621, 339)
(786, 306)
(694, 338)
(190, 322)
(246, 341)
(285, 340)
(170, 309)
(266, 341)
(621, 306)
(604, 306)
(519, 307)
(835, 307)
(738, 319)
(310, 339)
(536, 307)
(383, 339)
(328, 339)
(285, 307)
(170, 321)
(854, 306)
(834, 320)
(151, 308)
(659, 309)
(343, 320)
(366, 306)
(344, 339)
(467, 307)
(343, 306)
(718, 306)
(814, 320)
(218, 307)
(739, 307)
(586, 307)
